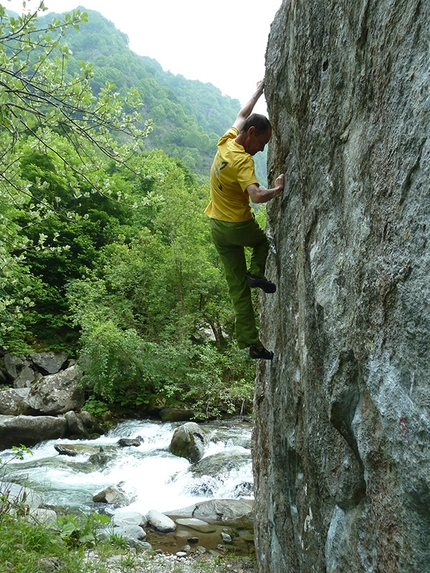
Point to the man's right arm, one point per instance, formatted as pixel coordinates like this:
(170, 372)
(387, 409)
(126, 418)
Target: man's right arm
(259, 195)
(246, 111)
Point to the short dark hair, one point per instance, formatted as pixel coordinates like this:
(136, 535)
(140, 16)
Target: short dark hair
(260, 122)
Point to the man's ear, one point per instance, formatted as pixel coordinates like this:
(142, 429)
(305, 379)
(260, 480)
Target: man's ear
(251, 130)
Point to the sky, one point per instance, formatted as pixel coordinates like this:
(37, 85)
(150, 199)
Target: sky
(220, 41)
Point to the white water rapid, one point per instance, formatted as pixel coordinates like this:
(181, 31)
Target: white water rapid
(149, 475)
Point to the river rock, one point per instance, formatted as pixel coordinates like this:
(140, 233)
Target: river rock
(176, 414)
(13, 401)
(188, 442)
(220, 464)
(13, 365)
(342, 428)
(29, 430)
(50, 565)
(195, 524)
(111, 495)
(130, 532)
(130, 442)
(65, 451)
(44, 516)
(75, 424)
(57, 393)
(90, 422)
(217, 510)
(160, 522)
(49, 362)
(121, 518)
(25, 378)
(19, 495)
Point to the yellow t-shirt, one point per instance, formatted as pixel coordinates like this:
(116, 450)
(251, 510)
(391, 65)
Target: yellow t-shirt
(232, 172)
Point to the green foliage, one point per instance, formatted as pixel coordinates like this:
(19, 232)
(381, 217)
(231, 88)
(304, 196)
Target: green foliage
(30, 547)
(146, 307)
(80, 530)
(105, 246)
(188, 116)
(23, 543)
(52, 112)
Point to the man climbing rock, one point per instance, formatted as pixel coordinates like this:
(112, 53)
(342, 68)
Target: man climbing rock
(233, 226)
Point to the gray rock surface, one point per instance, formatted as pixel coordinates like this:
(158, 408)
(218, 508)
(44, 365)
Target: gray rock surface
(342, 438)
(121, 518)
(13, 401)
(196, 524)
(188, 441)
(16, 494)
(217, 510)
(13, 365)
(26, 377)
(111, 495)
(44, 516)
(160, 522)
(30, 430)
(49, 362)
(57, 393)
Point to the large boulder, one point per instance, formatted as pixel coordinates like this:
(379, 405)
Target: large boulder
(225, 510)
(341, 443)
(57, 393)
(19, 371)
(13, 401)
(30, 430)
(13, 365)
(49, 362)
(16, 495)
(26, 377)
(188, 441)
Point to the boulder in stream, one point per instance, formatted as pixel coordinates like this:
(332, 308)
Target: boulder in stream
(188, 442)
(30, 430)
(226, 510)
(160, 522)
(111, 495)
(18, 495)
(176, 414)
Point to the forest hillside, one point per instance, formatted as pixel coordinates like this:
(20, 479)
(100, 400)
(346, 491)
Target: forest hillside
(105, 251)
(188, 116)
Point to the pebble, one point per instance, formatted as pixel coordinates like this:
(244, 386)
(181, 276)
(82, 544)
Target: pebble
(162, 563)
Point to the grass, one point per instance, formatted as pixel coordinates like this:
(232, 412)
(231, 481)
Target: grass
(29, 547)
(25, 544)
(71, 544)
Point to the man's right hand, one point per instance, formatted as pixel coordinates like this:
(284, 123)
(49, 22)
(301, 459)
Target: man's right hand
(279, 183)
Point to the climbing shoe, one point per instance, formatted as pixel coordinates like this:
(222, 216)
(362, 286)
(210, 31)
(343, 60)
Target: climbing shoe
(257, 282)
(263, 353)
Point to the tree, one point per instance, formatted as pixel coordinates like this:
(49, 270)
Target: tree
(40, 100)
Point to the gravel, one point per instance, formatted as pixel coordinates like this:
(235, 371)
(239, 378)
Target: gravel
(132, 562)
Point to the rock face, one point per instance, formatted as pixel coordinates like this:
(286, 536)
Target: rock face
(342, 436)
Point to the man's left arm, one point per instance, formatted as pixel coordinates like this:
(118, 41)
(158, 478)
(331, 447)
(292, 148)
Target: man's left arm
(259, 195)
(246, 111)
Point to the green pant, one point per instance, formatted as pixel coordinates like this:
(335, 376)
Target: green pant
(230, 240)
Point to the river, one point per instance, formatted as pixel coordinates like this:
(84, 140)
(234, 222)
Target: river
(149, 475)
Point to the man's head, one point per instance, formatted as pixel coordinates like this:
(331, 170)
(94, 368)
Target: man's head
(255, 133)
